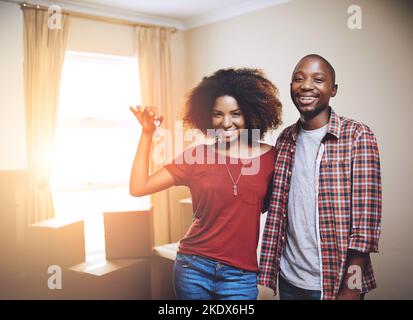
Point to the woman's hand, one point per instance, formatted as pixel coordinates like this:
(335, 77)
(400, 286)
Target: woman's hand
(141, 183)
(146, 117)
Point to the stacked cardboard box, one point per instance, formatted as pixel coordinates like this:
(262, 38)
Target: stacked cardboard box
(128, 234)
(162, 271)
(53, 242)
(124, 274)
(126, 279)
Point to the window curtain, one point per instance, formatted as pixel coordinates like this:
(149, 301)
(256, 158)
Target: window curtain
(153, 53)
(44, 49)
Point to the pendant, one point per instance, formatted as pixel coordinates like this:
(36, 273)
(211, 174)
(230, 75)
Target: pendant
(235, 190)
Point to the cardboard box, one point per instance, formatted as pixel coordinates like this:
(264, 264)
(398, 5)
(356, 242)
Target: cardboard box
(55, 242)
(162, 271)
(128, 234)
(126, 279)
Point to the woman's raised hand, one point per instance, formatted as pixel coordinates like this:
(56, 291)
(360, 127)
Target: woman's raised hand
(147, 117)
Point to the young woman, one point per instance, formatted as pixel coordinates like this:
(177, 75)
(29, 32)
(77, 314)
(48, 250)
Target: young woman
(217, 257)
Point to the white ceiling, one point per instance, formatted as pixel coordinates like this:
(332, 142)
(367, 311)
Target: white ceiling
(175, 9)
(181, 14)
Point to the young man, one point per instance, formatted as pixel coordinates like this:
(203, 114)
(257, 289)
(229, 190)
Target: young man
(325, 209)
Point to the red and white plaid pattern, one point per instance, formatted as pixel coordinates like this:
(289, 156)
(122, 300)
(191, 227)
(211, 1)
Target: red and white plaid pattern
(349, 202)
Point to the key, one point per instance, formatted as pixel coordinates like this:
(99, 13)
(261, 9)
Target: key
(157, 123)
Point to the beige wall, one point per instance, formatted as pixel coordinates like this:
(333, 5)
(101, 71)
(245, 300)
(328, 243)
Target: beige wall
(100, 37)
(13, 162)
(374, 73)
(12, 122)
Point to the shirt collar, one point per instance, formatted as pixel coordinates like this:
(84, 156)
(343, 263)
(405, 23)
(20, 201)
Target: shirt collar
(333, 129)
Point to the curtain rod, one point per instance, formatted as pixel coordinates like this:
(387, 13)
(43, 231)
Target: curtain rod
(25, 5)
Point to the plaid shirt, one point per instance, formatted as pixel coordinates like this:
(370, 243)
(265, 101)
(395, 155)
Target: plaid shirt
(349, 202)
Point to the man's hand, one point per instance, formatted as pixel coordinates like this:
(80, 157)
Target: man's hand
(347, 294)
(356, 262)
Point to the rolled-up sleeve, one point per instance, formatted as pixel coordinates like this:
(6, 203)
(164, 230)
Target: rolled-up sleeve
(366, 194)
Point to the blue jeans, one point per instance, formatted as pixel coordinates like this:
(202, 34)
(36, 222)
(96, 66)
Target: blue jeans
(199, 278)
(290, 292)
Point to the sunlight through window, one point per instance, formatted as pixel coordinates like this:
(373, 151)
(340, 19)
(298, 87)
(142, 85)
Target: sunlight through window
(95, 142)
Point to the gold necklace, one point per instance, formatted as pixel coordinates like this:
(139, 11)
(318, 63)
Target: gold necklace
(234, 183)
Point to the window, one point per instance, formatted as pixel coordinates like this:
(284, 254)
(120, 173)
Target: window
(96, 140)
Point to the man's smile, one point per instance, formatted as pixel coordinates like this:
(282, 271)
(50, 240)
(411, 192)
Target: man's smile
(307, 99)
